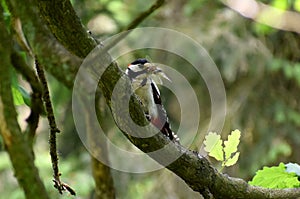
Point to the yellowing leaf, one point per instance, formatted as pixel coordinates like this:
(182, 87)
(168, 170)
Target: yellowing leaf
(231, 161)
(232, 143)
(213, 145)
(297, 5)
(226, 153)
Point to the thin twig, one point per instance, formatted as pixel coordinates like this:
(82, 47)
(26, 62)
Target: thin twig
(51, 119)
(144, 15)
(40, 90)
(134, 24)
(60, 186)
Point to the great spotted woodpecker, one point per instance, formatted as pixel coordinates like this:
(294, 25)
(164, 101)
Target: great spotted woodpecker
(144, 76)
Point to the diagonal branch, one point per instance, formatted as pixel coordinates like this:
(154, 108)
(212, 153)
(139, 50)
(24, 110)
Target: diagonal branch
(144, 15)
(201, 175)
(58, 20)
(66, 28)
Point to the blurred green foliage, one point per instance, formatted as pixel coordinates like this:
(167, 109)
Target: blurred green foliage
(71, 168)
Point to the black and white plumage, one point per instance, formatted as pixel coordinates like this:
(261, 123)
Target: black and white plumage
(144, 76)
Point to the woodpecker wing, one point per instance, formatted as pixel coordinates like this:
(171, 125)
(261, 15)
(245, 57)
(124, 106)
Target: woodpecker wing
(161, 120)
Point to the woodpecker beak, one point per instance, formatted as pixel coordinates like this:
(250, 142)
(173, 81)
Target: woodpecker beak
(153, 69)
(163, 75)
(158, 71)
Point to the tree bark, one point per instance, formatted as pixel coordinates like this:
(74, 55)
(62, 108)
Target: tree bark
(101, 172)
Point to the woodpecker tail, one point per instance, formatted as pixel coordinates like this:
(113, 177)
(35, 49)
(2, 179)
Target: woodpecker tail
(161, 121)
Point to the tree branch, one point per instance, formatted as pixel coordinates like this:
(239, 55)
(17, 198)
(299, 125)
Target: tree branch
(134, 24)
(101, 172)
(77, 41)
(58, 19)
(144, 15)
(194, 169)
(37, 107)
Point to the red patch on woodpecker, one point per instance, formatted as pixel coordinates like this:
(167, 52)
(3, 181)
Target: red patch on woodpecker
(157, 123)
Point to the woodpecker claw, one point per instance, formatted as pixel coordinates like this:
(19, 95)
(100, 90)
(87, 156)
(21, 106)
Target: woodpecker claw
(148, 117)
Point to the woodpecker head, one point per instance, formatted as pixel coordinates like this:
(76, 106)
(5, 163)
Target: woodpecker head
(142, 70)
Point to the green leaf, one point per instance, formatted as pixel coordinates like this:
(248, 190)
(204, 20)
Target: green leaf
(213, 145)
(20, 95)
(275, 177)
(25, 95)
(17, 96)
(232, 143)
(231, 161)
